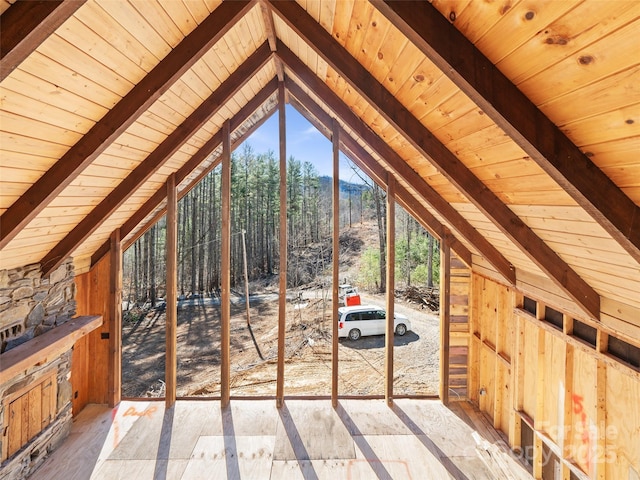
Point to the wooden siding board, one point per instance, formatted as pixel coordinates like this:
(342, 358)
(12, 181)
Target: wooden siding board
(448, 111)
(611, 93)
(377, 34)
(519, 25)
(27, 128)
(623, 419)
(615, 151)
(142, 26)
(478, 17)
(180, 16)
(554, 364)
(467, 126)
(59, 50)
(48, 93)
(590, 255)
(584, 408)
(587, 22)
(65, 78)
(102, 52)
(161, 23)
(403, 73)
(529, 369)
(590, 66)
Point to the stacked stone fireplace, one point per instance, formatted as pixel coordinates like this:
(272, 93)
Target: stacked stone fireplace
(35, 403)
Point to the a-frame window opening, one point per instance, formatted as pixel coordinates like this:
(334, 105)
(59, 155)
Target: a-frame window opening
(417, 287)
(254, 230)
(143, 314)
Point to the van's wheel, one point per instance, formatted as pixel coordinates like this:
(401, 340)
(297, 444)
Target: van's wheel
(354, 334)
(401, 329)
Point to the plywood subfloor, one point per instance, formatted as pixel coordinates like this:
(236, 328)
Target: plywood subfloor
(306, 439)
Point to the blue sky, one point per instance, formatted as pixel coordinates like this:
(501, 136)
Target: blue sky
(304, 142)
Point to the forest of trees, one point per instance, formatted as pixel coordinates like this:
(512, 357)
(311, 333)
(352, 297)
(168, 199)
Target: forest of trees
(255, 224)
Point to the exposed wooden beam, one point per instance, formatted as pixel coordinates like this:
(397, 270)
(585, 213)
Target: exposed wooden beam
(335, 260)
(26, 24)
(391, 287)
(119, 118)
(270, 28)
(225, 268)
(393, 161)
(201, 155)
(447, 163)
(156, 159)
(115, 324)
(282, 271)
(520, 118)
(372, 167)
(171, 332)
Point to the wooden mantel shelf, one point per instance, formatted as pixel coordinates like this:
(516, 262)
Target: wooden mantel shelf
(45, 347)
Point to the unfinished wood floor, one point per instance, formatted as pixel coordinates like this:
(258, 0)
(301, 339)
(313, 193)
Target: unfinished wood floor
(306, 439)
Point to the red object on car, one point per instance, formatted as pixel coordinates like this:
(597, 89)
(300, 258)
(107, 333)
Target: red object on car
(353, 300)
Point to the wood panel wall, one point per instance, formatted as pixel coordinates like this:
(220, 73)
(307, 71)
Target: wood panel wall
(90, 361)
(531, 374)
(30, 410)
(460, 278)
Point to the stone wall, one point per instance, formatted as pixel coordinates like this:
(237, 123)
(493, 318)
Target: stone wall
(31, 305)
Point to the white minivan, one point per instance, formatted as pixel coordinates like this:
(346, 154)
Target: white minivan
(362, 320)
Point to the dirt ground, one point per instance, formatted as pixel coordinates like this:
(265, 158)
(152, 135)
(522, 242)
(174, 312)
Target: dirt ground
(307, 341)
(254, 350)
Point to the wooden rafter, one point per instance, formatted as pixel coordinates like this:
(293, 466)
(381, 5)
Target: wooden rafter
(512, 111)
(25, 25)
(365, 161)
(270, 28)
(447, 163)
(462, 227)
(156, 159)
(119, 118)
(214, 142)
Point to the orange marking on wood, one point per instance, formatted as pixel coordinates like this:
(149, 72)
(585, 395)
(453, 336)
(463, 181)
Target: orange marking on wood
(133, 412)
(585, 437)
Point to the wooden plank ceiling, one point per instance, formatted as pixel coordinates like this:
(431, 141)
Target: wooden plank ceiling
(513, 125)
